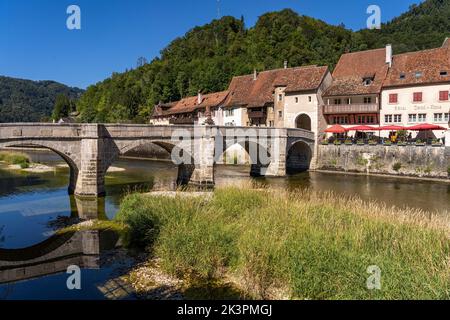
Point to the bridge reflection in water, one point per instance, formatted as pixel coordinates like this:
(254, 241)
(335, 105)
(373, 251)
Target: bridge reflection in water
(54, 255)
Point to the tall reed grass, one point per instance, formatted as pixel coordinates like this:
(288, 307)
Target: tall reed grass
(297, 245)
(15, 158)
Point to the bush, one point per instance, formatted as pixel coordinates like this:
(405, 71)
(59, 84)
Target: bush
(15, 158)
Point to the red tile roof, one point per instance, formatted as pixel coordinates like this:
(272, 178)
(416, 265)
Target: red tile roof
(245, 91)
(353, 68)
(428, 63)
(190, 104)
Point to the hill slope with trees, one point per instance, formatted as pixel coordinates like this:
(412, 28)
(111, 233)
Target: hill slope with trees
(31, 101)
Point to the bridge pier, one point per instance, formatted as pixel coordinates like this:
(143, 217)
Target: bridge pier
(204, 151)
(91, 175)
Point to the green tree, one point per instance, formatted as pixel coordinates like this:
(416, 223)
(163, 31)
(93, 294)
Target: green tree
(62, 108)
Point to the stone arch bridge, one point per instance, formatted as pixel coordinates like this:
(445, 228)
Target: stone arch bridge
(90, 149)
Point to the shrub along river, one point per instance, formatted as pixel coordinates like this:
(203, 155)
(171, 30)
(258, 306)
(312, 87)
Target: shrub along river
(34, 205)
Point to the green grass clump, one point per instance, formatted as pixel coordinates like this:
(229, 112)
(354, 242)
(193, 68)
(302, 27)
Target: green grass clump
(15, 158)
(306, 245)
(397, 166)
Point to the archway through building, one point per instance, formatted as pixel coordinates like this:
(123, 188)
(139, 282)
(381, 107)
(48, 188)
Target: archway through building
(303, 121)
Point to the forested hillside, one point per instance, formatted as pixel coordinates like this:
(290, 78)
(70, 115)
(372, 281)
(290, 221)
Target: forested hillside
(424, 26)
(30, 101)
(207, 57)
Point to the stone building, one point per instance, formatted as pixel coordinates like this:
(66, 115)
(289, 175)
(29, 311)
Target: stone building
(285, 98)
(191, 110)
(354, 97)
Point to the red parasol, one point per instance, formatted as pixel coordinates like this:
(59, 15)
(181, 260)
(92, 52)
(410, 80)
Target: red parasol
(426, 127)
(362, 128)
(336, 129)
(392, 128)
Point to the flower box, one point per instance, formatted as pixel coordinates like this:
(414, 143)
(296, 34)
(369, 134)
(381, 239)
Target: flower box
(420, 143)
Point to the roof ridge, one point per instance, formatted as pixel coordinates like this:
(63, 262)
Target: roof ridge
(363, 51)
(280, 69)
(420, 51)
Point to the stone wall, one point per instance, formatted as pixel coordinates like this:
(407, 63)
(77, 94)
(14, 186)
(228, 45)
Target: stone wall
(429, 162)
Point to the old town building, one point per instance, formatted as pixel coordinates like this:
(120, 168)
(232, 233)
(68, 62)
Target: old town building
(354, 97)
(416, 89)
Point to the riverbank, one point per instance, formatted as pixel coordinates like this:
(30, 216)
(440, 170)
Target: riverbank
(384, 175)
(302, 245)
(15, 159)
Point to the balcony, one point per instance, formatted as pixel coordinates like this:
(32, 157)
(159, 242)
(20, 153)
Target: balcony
(350, 108)
(182, 121)
(257, 114)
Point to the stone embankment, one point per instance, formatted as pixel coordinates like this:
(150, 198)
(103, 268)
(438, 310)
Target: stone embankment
(411, 160)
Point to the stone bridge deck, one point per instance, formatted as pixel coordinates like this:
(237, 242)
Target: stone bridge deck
(89, 149)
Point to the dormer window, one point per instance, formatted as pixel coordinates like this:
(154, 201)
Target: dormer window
(368, 80)
(443, 73)
(402, 76)
(418, 74)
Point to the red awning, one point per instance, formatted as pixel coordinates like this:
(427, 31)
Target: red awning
(362, 128)
(392, 128)
(336, 129)
(426, 127)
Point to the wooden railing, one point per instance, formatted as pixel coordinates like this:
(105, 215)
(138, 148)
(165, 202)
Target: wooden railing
(182, 120)
(257, 114)
(350, 108)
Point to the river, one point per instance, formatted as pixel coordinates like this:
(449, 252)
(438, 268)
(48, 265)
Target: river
(33, 206)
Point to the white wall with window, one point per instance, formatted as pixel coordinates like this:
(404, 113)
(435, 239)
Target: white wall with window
(301, 104)
(413, 105)
(232, 117)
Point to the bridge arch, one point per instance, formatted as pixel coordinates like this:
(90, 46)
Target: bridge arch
(245, 151)
(185, 170)
(70, 153)
(299, 157)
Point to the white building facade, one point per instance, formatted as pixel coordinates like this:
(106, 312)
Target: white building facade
(410, 106)
(416, 90)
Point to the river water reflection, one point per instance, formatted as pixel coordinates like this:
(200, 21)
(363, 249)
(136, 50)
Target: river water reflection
(34, 259)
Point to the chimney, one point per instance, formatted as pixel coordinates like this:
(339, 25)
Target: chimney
(389, 55)
(285, 64)
(199, 97)
(255, 75)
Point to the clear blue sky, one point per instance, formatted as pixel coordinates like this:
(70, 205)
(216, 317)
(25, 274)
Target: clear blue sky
(35, 43)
